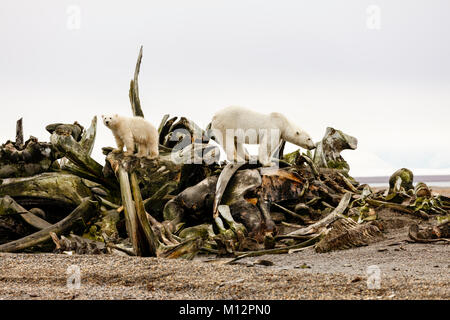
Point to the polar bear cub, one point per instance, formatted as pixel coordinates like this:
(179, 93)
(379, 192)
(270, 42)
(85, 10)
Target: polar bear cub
(233, 126)
(131, 131)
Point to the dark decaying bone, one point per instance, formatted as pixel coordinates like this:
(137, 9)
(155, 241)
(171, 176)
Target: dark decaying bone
(227, 172)
(346, 233)
(9, 206)
(19, 133)
(27, 159)
(51, 189)
(73, 130)
(241, 188)
(248, 194)
(192, 203)
(153, 174)
(81, 214)
(180, 134)
(438, 233)
(76, 153)
(78, 245)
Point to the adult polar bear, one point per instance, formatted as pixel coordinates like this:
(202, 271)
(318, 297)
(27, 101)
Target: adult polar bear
(233, 126)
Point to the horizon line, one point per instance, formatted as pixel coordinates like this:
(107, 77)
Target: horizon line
(423, 178)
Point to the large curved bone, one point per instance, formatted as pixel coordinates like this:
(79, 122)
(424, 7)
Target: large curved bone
(76, 153)
(152, 240)
(8, 206)
(84, 211)
(164, 129)
(196, 153)
(50, 188)
(254, 215)
(333, 216)
(224, 177)
(88, 137)
(130, 210)
(86, 143)
(134, 89)
(182, 133)
(191, 200)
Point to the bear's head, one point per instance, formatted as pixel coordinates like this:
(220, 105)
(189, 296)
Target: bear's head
(294, 134)
(109, 121)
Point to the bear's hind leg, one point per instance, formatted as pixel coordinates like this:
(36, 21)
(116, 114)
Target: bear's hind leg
(230, 148)
(154, 150)
(241, 153)
(265, 151)
(142, 150)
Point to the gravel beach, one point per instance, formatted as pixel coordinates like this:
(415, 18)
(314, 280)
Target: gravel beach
(407, 271)
(411, 271)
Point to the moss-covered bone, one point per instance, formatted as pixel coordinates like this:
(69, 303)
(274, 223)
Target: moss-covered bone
(225, 213)
(422, 190)
(406, 179)
(204, 231)
(328, 151)
(50, 187)
(152, 174)
(76, 153)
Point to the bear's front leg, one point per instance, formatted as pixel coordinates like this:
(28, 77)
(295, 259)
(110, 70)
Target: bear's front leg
(129, 144)
(265, 161)
(119, 143)
(241, 153)
(229, 147)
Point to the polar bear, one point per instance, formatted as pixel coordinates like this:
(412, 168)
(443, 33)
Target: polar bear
(233, 126)
(133, 131)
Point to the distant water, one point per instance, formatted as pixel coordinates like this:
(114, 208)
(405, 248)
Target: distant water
(436, 180)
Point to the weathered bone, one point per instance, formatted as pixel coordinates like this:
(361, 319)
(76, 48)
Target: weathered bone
(225, 176)
(85, 211)
(9, 206)
(134, 89)
(336, 214)
(328, 151)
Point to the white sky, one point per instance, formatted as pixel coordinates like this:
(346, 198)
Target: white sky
(315, 61)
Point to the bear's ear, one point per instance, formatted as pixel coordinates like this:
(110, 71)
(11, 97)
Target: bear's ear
(103, 116)
(116, 115)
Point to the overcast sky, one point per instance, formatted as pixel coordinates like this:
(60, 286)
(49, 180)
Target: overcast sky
(319, 62)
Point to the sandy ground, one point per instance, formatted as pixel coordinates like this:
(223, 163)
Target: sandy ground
(407, 271)
(441, 190)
